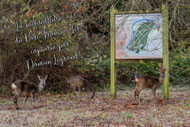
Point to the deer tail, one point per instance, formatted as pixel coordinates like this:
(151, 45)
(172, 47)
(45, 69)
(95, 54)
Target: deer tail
(13, 86)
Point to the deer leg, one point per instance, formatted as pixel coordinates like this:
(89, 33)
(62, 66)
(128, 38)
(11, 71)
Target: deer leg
(79, 88)
(15, 99)
(70, 96)
(154, 92)
(91, 95)
(33, 97)
(136, 94)
(26, 98)
(79, 91)
(137, 91)
(75, 94)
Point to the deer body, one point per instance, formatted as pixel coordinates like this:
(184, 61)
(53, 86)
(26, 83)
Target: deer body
(78, 82)
(21, 87)
(24, 87)
(144, 81)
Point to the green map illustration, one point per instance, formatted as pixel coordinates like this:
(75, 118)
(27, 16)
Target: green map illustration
(139, 37)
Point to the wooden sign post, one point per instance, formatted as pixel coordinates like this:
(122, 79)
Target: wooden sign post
(139, 37)
(165, 50)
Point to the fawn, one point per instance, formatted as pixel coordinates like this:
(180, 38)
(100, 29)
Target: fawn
(78, 82)
(143, 81)
(30, 89)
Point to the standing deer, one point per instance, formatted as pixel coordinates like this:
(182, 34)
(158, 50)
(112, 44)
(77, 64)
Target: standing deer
(30, 89)
(143, 81)
(78, 82)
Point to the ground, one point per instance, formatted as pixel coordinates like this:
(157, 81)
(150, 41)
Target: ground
(102, 111)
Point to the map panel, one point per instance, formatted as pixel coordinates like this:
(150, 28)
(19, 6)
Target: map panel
(138, 36)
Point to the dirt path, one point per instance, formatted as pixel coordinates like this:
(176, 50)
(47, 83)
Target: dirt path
(102, 111)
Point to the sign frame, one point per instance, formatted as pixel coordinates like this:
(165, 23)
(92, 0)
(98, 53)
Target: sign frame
(164, 60)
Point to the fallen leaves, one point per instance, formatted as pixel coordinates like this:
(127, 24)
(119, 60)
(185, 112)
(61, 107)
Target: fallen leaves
(55, 110)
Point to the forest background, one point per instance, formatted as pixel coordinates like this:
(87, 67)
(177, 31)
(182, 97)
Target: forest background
(85, 26)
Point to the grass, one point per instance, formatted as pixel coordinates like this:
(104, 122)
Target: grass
(60, 110)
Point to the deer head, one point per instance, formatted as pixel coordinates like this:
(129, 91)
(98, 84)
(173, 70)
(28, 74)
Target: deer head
(42, 83)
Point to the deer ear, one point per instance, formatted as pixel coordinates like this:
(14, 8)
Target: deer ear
(46, 77)
(39, 77)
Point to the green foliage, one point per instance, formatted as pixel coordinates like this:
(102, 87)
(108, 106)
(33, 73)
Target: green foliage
(129, 116)
(91, 43)
(179, 68)
(5, 90)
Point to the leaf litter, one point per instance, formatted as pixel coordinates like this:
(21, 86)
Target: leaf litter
(124, 111)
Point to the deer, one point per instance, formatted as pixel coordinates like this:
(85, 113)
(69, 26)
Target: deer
(20, 87)
(144, 81)
(77, 82)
